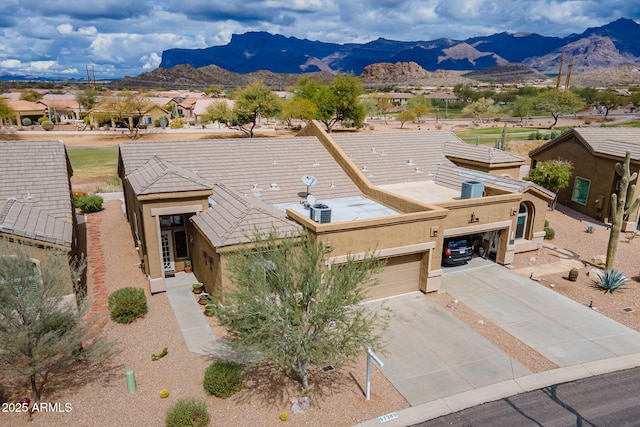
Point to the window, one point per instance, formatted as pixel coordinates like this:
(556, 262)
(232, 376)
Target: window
(581, 190)
(521, 225)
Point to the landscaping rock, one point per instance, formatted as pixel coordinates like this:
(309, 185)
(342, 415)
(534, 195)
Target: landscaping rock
(599, 259)
(593, 273)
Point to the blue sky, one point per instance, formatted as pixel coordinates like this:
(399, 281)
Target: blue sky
(55, 38)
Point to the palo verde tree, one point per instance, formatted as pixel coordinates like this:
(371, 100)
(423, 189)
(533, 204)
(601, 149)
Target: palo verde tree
(44, 335)
(419, 106)
(554, 175)
(622, 204)
(293, 310)
(6, 112)
(557, 104)
(128, 108)
(253, 102)
(337, 102)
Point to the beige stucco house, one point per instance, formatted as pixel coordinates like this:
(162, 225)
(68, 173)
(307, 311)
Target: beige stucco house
(594, 153)
(393, 193)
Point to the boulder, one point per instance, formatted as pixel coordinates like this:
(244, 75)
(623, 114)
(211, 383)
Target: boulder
(599, 259)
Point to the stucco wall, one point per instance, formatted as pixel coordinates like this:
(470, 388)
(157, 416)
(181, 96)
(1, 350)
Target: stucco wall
(600, 170)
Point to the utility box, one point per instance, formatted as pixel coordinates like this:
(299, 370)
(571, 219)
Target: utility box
(320, 213)
(472, 190)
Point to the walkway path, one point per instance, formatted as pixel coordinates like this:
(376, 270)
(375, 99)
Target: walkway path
(195, 328)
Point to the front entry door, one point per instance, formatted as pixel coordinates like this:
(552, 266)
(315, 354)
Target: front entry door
(167, 251)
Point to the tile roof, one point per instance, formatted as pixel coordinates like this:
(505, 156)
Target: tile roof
(269, 169)
(612, 141)
(605, 141)
(25, 220)
(159, 176)
(233, 217)
(421, 156)
(22, 105)
(35, 192)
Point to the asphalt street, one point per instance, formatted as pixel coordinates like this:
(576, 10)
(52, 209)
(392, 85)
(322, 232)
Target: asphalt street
(609, 400)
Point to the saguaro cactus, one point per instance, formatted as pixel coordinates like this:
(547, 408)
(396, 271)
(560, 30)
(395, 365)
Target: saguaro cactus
(620, 207)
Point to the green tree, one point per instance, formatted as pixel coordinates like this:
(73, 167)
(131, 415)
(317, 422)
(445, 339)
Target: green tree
(127, 107)
(522, 107)
(609, 99)
(557, 104)
(483, 107)
(44, 336)
(298, 108)
(554, 175)
(252, 103)
(588, 94)
(336, 102)
(420, 106)
(6, 112)
(405, 116)
(622, 204)
(87, 98)
(293, 310)
(31, 95)
(219, 112)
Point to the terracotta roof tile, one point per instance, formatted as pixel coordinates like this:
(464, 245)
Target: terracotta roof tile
(233, 218)
(35, 190)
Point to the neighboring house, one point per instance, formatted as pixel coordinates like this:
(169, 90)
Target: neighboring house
(594, 153)
(393, 193)
(26, 109)
(36, 203)
(394, 98)
(65, 106)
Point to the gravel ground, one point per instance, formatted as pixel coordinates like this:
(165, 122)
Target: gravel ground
(101, 399)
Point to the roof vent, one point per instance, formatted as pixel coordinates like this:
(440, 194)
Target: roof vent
(316, 163)
(364, 169)
(274, 187)
(373, 150)
(418, 170)
(410, 162)
(472, 190)
(275, 163)
(320, 213)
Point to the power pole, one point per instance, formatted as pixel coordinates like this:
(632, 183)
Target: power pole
(560, 72)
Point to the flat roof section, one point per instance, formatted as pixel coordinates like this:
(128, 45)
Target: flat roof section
(350, 208)
(424, 191)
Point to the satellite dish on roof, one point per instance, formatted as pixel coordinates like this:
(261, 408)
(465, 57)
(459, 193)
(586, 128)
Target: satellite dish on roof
(309, 180)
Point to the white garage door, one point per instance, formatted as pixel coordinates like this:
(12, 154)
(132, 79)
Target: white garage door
(401, 275)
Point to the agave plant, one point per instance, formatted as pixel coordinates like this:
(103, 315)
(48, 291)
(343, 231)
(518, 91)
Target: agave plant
(610, 280)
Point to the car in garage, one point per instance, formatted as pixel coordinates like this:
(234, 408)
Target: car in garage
(457, 251)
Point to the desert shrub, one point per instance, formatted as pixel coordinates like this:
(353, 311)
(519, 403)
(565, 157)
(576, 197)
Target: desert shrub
(177, 123)
(26, 121)
(546, 223)
(47, 125)
(610, 280)
(127, 304)
(42, 119)
(189, 412)
(90, 203)
(223, 378)
(549, 233)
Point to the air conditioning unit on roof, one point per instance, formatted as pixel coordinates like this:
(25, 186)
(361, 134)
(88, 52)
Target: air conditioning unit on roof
(320, 213)
(472, 190)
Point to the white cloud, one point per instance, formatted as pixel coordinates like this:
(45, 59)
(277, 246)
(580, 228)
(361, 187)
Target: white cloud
(11, 64)
(151, 61)
(65, 29)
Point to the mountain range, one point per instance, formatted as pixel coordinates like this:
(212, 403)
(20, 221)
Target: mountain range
(613, 44)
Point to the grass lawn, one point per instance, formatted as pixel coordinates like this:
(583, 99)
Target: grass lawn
(93, 162)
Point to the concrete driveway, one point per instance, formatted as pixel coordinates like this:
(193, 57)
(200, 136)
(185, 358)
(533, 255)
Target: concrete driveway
(432, 354)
